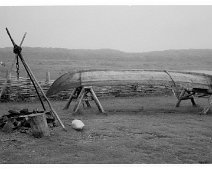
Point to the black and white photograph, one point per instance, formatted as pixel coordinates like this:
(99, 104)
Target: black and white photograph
(105, 84)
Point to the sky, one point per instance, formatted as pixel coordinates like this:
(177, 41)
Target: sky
(126, 28)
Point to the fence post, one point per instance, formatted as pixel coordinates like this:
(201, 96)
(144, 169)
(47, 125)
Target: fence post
(9, 76)
(48, 77)
(8, 86)
(28, 85)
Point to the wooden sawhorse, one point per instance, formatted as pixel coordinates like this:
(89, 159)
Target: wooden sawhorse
(81, 94)
(189, 94)
(186, 95)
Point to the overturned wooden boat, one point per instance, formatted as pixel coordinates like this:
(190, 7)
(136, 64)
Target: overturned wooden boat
(187, 83)
(187, 80)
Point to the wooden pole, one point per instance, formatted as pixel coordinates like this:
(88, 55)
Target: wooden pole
(96, 100)
(191, 95)
(47, 77)
(193, 101)
(10, 37)
(87, 103)
(180, 96)
(206, 109)
(33, 80)
(86, 99)
(79, 99)
(70, 99)
(174, 86)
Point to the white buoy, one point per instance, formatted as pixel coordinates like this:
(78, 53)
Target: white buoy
(77, 124)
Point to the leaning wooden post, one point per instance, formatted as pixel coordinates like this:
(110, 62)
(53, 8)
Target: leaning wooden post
(79, 99)
(32, 78)
(70, 99)
(96, 100)
(17, 50)
(207, 109)
(180, 97)
(28, 85)
(191, 96)
(35, 81)
(39, 125)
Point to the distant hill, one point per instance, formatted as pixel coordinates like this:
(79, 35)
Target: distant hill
(60, 60)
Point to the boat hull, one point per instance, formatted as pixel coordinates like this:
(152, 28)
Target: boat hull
(122, 77)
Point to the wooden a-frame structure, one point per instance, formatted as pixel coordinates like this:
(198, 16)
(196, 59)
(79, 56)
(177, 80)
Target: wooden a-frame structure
(84, 94)
(17, 50)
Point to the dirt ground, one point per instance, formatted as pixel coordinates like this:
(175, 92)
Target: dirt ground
(136, 130)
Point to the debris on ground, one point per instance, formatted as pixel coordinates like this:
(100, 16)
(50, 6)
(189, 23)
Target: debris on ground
(18, 120)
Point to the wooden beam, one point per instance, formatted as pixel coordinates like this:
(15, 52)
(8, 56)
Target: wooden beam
(70, 99)
(180, 96)
(207, 109)
(87, 103)
(96, 100)
(35, 81)
(193, 102)
(86, 99)
(79, 99)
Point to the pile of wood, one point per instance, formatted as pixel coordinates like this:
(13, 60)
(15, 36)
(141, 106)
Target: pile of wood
(20, 120)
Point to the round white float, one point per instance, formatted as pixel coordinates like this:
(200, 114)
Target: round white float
(77, 124)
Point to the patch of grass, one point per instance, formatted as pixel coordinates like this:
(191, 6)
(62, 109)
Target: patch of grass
(159, 133)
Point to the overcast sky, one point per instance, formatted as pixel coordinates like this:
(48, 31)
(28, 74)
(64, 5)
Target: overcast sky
(126, 28)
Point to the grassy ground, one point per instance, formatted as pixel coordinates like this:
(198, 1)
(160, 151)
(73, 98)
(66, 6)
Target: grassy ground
(136, 130)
